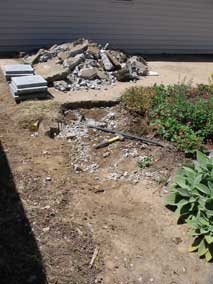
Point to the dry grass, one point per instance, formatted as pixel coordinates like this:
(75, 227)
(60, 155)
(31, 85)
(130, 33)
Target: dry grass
(29, 112)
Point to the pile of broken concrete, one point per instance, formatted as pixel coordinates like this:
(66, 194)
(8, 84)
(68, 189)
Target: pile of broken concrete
(85, 65)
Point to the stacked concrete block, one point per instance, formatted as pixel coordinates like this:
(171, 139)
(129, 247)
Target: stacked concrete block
(28, 87)
(17, 70)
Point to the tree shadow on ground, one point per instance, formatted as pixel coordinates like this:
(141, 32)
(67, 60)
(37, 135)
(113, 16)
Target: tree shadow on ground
(20, 259)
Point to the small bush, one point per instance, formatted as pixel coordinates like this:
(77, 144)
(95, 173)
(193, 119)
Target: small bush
(138, 99)
(191, 198)
(184, 114)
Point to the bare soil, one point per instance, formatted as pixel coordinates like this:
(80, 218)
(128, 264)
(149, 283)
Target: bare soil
(62, 200)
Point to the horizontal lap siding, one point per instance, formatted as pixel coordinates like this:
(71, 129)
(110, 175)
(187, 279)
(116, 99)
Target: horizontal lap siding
(142, 26)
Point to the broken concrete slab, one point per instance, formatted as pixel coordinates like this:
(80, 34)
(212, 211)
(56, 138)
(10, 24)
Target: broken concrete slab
(108, 66)
(79, 48)
(88, 73)
(33, 59)
(63, 55)
(114, 60)
(51, 71)
(136, 65)
(72, 62)
(123, 75)
(119, 55)
(102, 75)
(94, 51)
(67, 60)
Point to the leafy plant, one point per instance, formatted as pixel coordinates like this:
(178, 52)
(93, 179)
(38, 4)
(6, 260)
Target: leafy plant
(184, 113)
(145, 162)
(182, 135)
(191, 198)
(138, 99)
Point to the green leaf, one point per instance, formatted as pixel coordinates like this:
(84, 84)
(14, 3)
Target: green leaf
(180, 180)
(210, 185)
(197, 167)
(203, 221)
(208, 256)
(184, 207)
(189, 170)
(197, 180)
(202, 249)
(209, 239)
(183, 192)
(172, 199)
(203, 188)
(202, 159)
(193, 248)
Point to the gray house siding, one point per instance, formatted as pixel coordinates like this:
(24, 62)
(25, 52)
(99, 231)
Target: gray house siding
(141, 26)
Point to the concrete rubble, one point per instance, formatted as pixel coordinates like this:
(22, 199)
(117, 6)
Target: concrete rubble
(85, 65)
(86, 159)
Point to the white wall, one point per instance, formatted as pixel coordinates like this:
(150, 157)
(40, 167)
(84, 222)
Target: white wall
(142, 26)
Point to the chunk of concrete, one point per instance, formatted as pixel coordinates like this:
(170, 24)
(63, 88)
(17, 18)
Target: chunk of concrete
(51, 71)
(78, 49)
(93, 50)
(108, 66)
(102, 75)
(72, 62)
(119, 55)
(135, 64)
(114, 60)
(88, 73)
(61, 86)
(63, 55)
(123, 75)
(33, 59)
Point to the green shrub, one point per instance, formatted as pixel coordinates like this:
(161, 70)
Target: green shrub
(184, 114)
(182, 135)
(191, 198)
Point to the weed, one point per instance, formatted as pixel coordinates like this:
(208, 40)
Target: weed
(145, 162)
(192, 200)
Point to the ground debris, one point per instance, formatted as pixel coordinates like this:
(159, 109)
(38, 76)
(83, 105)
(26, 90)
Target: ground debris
(95, 254)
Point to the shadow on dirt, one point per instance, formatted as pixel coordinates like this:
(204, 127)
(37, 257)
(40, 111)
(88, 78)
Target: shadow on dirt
(20, 259)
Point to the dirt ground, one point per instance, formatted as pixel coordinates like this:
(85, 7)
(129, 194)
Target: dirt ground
(62, 200)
